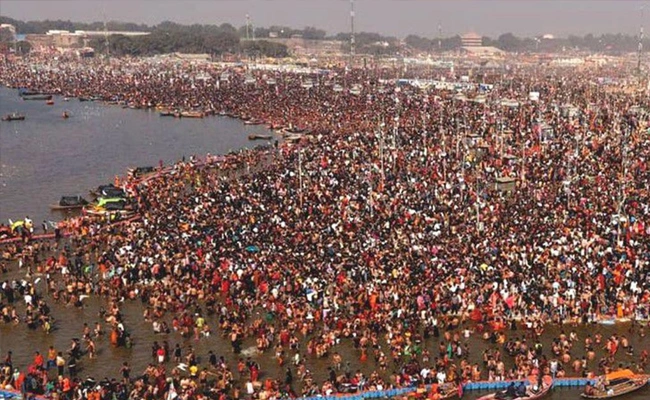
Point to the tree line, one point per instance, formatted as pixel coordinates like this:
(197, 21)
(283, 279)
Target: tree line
(606, 43)
(167, 37)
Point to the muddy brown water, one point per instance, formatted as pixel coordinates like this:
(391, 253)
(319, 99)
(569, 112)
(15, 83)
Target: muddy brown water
(69, 322)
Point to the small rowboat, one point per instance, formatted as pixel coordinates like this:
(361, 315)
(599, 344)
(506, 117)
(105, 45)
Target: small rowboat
(13, 117)
(192, 114)
(140, 172)
(107, 191)
(260, 137)
(37, 96)
(446, 391)
(102, 212)
(50, 102)
(254, 122)
(70, 203)
(532, 392)
(615, 384)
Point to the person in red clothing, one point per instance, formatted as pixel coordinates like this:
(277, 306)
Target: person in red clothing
(161, 355)
(38, 360)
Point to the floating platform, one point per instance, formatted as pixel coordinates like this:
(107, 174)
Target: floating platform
(470, 386)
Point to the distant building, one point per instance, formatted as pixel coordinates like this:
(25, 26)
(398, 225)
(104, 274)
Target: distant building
(310, 47)
(548, 36)
(471, 39)
(109, 33)
(62, 39)
(10, 28)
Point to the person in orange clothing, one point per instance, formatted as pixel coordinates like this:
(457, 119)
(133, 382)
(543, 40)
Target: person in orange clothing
(66, 387)
(51, 358)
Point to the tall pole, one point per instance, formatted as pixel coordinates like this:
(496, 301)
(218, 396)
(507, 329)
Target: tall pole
(439, 37)
(352, 43)
(248, 24)
(624, 140)
(640, 49)
(300, 174)
(106, 43)
(478, 206)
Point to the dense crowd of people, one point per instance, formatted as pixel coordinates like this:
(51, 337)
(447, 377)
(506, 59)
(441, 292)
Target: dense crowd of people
(404, 222)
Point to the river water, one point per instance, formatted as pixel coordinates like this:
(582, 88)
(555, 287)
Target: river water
(47, 156)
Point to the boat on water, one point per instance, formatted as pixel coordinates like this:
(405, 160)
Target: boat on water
(13, 117)
(191, 114)
(446, 391)
(139, 172)
(38, 96)
(50, 102)
(70, 203)
(85, 99)
(294, 129)
(254, 121)
(108, 206)
(615, 384)
(28, 92)
(260, 137)
(166, 113)
(523, 391)
(109, 211)
(109, 190)
(293, 137)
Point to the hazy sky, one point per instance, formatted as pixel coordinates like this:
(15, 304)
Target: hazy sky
(394, 17)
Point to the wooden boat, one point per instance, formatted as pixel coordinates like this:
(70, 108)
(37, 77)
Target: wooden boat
(294, 137)
(109, 190)
(615, 384)
(84, 99)
(295, 130)
(37, 96)
(260, 137)
(254, 121)
(13, 117)
(192, 114)
(139, 172)
(103, 212)
(446, 391)
(108, 207)
(532, 392)
(166, 113)
(28, 92)
(70, 203)
(50, 102)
